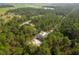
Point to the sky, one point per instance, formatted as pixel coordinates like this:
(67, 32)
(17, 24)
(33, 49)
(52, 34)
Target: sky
(39, 1)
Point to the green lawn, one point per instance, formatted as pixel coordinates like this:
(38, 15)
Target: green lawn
(21, 5)
(3, 10)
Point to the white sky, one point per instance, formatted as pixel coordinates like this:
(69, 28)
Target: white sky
(39, 1)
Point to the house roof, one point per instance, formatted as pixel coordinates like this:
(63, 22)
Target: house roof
(36, 42)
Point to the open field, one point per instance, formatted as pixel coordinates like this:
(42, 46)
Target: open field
(3, 10)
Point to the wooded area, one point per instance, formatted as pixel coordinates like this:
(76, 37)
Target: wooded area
(62, 40)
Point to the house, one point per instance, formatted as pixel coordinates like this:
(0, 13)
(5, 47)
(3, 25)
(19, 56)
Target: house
(36, 42)
(37, 39)
(41, 35)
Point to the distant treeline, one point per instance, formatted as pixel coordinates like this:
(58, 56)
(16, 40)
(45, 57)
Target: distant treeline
(5, 6)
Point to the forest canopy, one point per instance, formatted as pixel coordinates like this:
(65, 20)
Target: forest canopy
(40, 31)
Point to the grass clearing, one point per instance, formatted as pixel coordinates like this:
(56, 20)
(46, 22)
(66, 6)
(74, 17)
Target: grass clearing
(3, 10)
